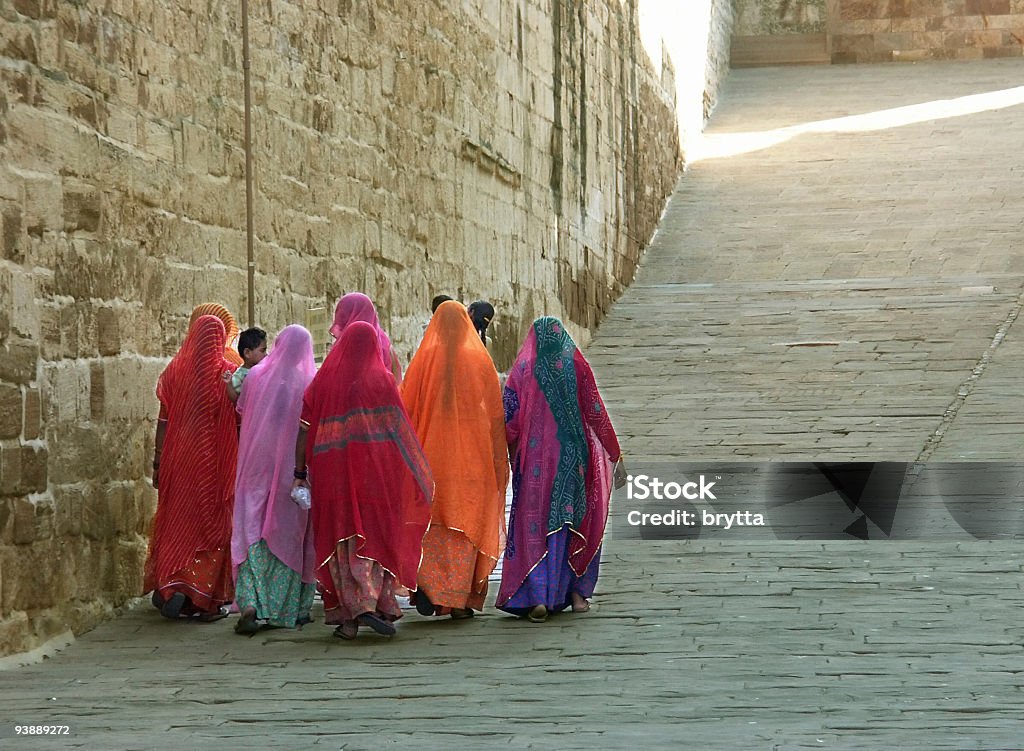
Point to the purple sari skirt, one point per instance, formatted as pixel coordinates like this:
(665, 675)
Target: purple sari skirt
(553, 582)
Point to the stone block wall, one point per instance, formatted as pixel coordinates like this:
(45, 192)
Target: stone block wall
(517, 150)
(774, 17)
(722, 23)
(870, 31)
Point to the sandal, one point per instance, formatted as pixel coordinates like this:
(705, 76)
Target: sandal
(583, 608)
(538, 615)
(171, 607)
(211, 617)
(423, 604)
(377, 623)
(347, 631)
(461, 614)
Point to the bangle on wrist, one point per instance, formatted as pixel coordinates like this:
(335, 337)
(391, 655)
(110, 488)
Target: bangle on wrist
(300, 474)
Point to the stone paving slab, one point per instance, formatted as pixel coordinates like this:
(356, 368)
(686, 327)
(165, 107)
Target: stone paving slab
(850, 291)
(783, 645)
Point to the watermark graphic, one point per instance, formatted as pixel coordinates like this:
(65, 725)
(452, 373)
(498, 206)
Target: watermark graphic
(826, 501)
(642, 487)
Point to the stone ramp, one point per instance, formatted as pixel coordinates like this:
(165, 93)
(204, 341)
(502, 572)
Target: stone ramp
(787, 646)
(839, 294)
(830, 288)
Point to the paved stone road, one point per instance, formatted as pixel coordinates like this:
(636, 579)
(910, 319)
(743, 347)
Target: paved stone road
(838, 292)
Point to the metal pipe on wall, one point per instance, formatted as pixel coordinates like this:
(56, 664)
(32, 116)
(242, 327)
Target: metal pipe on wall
(248, 166)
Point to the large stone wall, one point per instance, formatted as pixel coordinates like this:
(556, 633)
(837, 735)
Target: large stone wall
(720, 29)
(520, 151)
(870, 31)
(771, 17)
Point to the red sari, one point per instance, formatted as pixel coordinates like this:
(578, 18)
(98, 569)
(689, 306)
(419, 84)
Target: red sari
(190, 545)
(369, 480)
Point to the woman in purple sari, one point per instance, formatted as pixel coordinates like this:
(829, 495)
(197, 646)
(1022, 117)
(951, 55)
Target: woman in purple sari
(562, 447)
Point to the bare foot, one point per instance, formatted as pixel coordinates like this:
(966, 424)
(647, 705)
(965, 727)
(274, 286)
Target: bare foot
(247, 624)
(538, 615)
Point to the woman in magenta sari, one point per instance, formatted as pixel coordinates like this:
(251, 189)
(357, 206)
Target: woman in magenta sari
(370, 484)
(562, 447)
(355, 306)
(272, 543)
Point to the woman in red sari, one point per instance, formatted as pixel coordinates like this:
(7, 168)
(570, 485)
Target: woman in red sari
(189, 563)
(370, 484)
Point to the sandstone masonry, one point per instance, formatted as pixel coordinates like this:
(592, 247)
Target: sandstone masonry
(872, 31)
(722, 23)
(518, 150)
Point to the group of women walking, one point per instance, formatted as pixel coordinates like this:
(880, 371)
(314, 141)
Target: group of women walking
(406, 476)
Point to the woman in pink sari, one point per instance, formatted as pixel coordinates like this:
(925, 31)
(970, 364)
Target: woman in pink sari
(272, 543)
(370, 484)
(562, 447)
(355, 306)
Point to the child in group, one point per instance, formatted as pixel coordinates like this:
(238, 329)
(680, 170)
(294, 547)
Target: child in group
(252, 346)
(436, 302)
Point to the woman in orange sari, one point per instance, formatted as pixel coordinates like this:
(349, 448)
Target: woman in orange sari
(230, 327)
(189, 563)
(453, 398)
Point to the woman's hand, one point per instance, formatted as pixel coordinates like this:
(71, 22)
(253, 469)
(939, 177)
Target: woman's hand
(620, 474)
(156, 476)
(296, 483)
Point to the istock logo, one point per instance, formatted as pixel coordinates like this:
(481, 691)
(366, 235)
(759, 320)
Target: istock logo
(642, 487)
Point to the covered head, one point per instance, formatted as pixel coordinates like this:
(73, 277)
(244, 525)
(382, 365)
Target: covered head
(355, 306)
(201, 356)
(481, 313)
(230, 327)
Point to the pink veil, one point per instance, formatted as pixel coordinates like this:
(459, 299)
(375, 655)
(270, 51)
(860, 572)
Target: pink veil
(270, 405)
(355, 306)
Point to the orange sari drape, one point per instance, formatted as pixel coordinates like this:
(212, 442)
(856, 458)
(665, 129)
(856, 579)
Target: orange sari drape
(452, 394)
